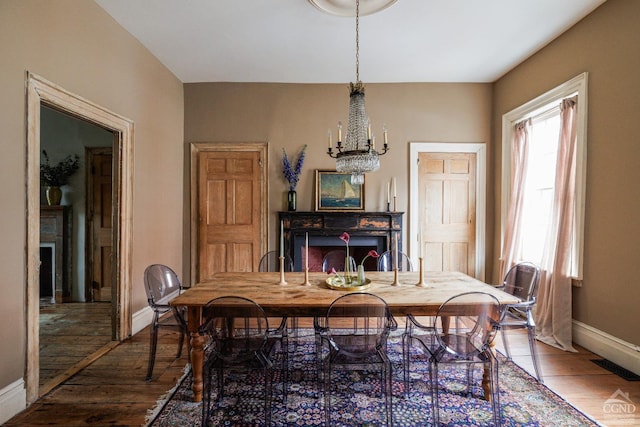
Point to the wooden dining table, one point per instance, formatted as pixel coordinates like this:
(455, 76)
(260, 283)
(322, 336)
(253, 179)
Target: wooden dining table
(297, 299)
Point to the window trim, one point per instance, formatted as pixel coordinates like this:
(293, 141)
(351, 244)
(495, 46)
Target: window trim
(533, 108)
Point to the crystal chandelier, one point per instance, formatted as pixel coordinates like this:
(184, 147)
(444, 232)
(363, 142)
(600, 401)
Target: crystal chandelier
(358, 154)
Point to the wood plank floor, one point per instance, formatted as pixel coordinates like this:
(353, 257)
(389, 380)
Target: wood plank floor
(112, 390)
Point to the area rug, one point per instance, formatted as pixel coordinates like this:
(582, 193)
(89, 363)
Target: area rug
(523, 400)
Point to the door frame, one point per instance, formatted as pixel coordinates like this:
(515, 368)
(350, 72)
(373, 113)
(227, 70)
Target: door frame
(479, 149)
(42, 92)
(195, 148)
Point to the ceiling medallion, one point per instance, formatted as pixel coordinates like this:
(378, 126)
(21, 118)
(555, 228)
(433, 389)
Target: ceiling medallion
(347, 7)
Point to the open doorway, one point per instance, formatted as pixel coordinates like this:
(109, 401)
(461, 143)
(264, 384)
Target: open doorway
(73, 324)
(43, 93)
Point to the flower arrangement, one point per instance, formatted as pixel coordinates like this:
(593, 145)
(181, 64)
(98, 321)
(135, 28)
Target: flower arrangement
(58, 175)
(290, 174)
(372, 253)
(347, 264)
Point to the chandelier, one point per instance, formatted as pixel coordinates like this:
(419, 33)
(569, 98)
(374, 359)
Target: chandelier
(357, 155)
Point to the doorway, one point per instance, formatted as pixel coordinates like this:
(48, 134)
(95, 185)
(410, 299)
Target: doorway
(42, 92)
(448, 152)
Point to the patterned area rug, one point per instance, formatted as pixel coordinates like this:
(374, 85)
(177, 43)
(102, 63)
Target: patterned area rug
(523, 400)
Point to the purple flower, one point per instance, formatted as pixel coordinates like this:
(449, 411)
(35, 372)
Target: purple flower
(292, 175)
(345, 237)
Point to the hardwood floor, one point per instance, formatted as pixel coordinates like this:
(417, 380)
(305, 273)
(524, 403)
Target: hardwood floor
(112, 390)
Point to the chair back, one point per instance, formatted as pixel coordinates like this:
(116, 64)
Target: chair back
(238, 327)
(386, 262)
(271, 262)
(522, 280)
(336, 259)
(161, 284)
(358, 324)
(467, 323)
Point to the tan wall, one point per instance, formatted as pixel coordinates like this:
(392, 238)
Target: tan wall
(605, 44)
(78, 46)
(291, 115)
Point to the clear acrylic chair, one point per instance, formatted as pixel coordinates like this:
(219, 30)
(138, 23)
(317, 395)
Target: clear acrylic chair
(522, 280)
(241, 340)
(464, 327)
(336, 259)
(162, 285)
(271, 262)
(357, 327)
(386, 262)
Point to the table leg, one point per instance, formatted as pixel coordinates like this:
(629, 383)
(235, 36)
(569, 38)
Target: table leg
(486, 377)
(197, 352)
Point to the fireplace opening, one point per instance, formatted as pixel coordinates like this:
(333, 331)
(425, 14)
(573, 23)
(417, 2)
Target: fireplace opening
(47, 272)
(319, 246)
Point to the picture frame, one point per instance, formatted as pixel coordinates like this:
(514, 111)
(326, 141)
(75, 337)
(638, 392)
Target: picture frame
(334, 192)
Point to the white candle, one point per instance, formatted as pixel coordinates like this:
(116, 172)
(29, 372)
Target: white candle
(339, 131)
(384, 134)
(389, 192)
(369, 131)
(306, 255)
(419, 243)
(329, 137)
(394, 187)
(282, 238)
(396, 257)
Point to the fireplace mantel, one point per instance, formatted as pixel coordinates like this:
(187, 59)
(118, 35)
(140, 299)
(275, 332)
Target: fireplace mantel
(376, 229)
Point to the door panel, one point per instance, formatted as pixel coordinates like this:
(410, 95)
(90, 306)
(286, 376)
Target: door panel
(100, 218)
(230, 230)
(447, 210)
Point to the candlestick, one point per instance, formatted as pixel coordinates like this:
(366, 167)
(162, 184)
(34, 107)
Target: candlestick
(282, 279)
(282, 239)
(395, 277)
(421, 281)
(306, 277)
(395, 203)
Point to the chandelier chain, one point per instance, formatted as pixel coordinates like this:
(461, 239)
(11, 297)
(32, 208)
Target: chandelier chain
(357, 40)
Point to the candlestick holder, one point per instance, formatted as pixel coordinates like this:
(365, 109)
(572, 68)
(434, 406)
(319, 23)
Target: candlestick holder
(306, 278)
(395, 204)
(282, 280)
(421, 281)
(395, 277)
(388, 206)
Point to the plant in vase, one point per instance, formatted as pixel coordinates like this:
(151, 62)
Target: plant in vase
(361, 278)
(292, 175)
(54, 177)
(347, 264)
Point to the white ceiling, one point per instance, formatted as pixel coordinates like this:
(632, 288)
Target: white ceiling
(292, 41)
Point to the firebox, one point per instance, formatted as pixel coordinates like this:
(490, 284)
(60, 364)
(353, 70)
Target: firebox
(367, 230)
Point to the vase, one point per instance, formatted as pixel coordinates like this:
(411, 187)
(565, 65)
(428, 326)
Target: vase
(292, 200)
(54, 195)
(361, 278)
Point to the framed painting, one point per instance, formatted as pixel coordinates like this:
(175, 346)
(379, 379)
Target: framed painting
(334, 192)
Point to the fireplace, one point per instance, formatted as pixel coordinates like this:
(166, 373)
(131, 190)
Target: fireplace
(368, 230)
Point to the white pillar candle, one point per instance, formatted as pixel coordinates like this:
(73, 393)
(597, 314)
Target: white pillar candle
(306, 254)
(339, 131)
(397, 253)
(282, 238)
(389, 192)
(395, 193)
(329, 137)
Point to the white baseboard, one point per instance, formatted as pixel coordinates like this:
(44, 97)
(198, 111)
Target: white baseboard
(607, 346)
(13, 399)
(141, 319)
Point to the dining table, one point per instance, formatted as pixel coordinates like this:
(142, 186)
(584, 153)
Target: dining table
(299, 294)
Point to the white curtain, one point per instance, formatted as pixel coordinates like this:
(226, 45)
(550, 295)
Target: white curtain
(553, 311)
(519, 155)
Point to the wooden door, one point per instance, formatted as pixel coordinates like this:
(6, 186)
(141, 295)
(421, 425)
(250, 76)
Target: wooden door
(447, 210)
(100, 227)
(230, 208)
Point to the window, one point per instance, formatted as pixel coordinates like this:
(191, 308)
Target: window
(544, 113)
